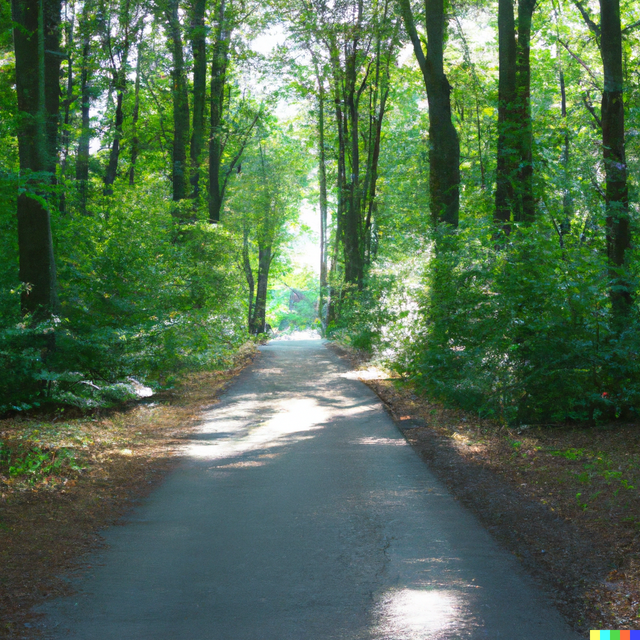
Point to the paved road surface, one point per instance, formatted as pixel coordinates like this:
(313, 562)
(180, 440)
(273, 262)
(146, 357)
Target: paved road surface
(300, 513)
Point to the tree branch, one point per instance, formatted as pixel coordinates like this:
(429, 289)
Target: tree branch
(580, 61)
(239, 154)
(409, 24)
(591, 110)
(631, 27)
(593, 27)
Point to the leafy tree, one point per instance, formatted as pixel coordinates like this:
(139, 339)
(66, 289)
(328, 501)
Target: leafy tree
(264, 209)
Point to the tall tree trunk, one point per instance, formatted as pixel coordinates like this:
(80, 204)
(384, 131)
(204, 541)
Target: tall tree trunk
(507, 163)
(617, 195)
(180, 105)
(120, 86)
(198, 48)
(378, 95)
(36, 28)
(525, 203)
(52, 60)
(135, 116)
(514, 171)
(84, 140)
(567, 201)
(322, 173)
(114, 154)
(218, 81)
(66, 137)
(444, 152)
(248, 272)
(258, 322)
(341, 177)
(353, 263)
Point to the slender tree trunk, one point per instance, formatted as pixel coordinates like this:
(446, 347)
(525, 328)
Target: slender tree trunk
(66, 137)
(377, 109)
(444, 152)
(613, 144)
(120, 86)
(52, 60)
(353, 267)
(507, 164)
(180, 105)
(322, 173)
(341, 178)
(567, 200)
(114, 154)
(525, 205)
(36, 28)
(218, 81)
(248, 272)
(198, 48)
(514, 171)
(258, 323)
(84, 140)
(135, 116)
(341, 186)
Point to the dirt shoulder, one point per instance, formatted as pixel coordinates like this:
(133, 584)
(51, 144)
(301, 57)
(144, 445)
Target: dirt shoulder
(564, 500)
(80, 476)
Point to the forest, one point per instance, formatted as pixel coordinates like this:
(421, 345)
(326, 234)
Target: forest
(467, 173)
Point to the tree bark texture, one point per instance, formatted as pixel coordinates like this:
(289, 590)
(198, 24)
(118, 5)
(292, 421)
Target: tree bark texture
(613, 144)
(507, 163)
(514, 171)
(52, 59)
(180, 96)
(567, 200)
(68, 101)
(36, 24)
(84, 140)
(525, 208)
(219, 64)
(353, 258)
(322, 174)
(444, 146)
(248, 272)
(198, 48)
(258, 322)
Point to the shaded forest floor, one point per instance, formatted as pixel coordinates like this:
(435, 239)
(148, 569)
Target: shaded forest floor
(92, 470)
(563, 499)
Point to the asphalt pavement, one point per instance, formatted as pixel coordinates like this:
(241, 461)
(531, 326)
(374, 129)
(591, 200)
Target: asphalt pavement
(299, 512)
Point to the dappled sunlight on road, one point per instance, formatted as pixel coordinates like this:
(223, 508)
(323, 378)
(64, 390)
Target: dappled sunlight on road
(394, 442)
(417, 614)
(229, 435)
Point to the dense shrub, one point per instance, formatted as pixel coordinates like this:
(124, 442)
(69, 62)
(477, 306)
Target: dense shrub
(518, 329)
(141, 297)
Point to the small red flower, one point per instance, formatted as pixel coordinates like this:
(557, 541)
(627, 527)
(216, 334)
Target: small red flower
(605, 395)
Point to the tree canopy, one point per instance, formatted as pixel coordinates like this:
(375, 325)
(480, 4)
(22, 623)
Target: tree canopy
(472, 169)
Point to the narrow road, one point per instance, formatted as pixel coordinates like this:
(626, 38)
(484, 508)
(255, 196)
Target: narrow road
(300, 513)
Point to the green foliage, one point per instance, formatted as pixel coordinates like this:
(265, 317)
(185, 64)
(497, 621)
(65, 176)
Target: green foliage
(141, 297)
(294, 306)
(33, 464)
(521, 331)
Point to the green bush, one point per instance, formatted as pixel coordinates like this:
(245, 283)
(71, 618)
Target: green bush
(141, 297)
(518, 329)
(522, 331)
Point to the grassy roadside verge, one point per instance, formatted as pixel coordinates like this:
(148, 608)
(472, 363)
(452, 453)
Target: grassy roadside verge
(61, 481)
(565, 500)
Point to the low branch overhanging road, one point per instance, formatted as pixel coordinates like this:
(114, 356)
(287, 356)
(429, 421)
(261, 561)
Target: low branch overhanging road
(300, 512)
